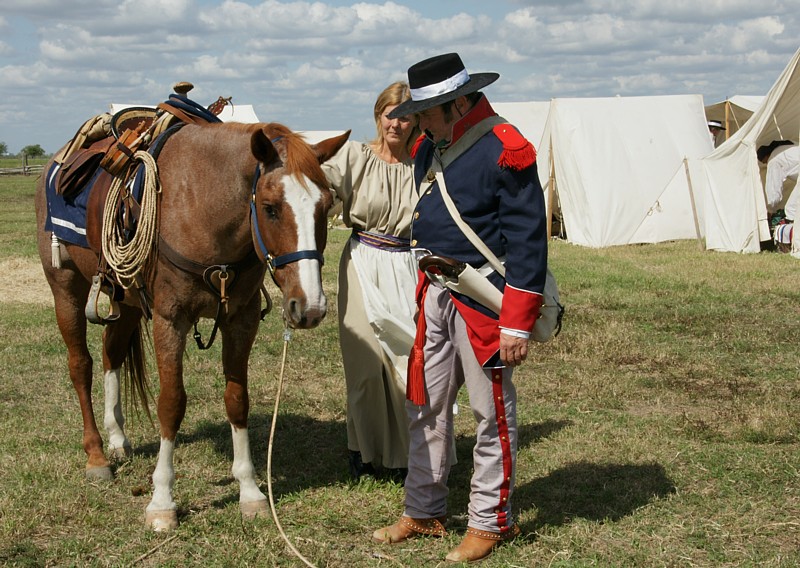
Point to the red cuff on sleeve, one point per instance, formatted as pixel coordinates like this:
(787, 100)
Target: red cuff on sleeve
(520, 309)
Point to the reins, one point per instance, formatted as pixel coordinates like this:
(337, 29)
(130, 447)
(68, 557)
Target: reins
(287, 334)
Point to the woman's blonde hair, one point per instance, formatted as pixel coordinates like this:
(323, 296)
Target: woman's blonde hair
(394, 94)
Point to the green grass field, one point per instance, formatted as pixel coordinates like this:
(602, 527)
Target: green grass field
(660, 429)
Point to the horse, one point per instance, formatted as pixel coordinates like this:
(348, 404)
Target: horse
(243, 197)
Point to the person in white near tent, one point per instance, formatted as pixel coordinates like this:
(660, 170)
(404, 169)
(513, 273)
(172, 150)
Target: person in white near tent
(714, 128)
(783, 162)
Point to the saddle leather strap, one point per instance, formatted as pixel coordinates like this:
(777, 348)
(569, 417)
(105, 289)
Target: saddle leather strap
(199, 269)
(181, 115)
(225, 274)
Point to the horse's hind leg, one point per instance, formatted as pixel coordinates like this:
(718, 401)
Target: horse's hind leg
(69, 292)
(121, 343)
(238, 337)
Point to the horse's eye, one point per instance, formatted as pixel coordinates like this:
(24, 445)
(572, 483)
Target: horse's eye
(271, 211)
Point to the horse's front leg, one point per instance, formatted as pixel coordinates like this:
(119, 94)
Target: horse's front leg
(169, 341)
(238, 336)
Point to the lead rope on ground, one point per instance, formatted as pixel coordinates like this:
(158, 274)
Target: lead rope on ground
(287, 335)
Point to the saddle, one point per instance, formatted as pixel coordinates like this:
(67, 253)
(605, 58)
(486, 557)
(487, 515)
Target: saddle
(102, 152)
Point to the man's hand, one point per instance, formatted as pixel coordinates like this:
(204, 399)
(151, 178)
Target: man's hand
(513, 350)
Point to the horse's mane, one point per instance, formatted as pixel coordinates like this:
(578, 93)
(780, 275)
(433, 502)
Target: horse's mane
(300, 159)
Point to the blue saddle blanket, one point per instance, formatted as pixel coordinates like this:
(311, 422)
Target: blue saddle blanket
(66, 217)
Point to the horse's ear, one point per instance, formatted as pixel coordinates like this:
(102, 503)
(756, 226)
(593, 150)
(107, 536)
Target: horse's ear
(327, 148)
(262, 147)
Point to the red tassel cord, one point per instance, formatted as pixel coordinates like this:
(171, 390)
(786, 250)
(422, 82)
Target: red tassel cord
(415, 379)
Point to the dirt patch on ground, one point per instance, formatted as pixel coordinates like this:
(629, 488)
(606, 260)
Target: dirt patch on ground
(23, 281)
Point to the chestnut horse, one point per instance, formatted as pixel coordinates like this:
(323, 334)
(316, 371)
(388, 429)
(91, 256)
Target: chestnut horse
(227, 190)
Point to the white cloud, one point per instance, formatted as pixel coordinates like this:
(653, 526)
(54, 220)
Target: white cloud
(319, 64)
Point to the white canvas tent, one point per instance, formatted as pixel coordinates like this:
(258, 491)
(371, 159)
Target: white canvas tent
(731, 177)
(617, 166)
(733, 112)
(529, 117)
(231, 113)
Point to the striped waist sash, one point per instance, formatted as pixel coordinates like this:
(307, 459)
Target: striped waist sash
(382, 242)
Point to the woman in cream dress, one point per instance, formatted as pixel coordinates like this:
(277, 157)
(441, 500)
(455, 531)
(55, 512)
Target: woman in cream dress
(377, 280)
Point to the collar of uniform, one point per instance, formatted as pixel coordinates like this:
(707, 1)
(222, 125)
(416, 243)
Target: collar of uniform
(476, 114)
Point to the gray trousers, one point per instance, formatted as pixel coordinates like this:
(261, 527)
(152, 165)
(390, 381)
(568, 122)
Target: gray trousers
(449, 363)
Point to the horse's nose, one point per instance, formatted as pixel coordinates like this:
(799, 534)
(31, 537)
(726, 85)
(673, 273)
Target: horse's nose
(302, 316)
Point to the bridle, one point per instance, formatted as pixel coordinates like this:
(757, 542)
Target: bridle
(274, 262)
(223, 272)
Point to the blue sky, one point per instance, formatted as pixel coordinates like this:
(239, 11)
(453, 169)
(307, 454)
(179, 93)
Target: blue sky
(319, 65)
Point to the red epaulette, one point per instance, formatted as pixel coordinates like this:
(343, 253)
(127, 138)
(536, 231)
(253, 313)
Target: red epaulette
(518, 153)
(415, 147)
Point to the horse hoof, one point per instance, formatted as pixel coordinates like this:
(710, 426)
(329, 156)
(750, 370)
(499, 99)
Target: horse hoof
(120, 453)
(253, 509)
(100, 473)
(161, 521)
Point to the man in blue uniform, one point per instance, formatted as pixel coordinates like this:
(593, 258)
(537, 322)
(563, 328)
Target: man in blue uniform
(489, 171)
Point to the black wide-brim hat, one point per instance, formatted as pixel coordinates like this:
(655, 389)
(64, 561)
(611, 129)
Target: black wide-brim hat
(438, 80)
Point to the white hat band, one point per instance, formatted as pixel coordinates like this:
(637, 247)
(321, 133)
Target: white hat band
(447, 86)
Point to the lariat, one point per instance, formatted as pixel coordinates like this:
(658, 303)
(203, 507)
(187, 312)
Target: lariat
(127, 257)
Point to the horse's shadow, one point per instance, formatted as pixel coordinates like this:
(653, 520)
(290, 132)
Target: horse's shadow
(306, 452)
(596, 492)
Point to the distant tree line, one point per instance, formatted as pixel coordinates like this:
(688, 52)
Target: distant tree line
(32, 150)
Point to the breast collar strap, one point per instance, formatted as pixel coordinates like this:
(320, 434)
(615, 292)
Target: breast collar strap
(274, 262)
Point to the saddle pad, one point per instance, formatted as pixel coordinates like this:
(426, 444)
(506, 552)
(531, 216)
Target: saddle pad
(66, 215)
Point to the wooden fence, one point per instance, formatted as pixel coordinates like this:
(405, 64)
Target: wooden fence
(22, 170)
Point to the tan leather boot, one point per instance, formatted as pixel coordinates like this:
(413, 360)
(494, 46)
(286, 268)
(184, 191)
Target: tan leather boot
(407, 528)
(478, 544)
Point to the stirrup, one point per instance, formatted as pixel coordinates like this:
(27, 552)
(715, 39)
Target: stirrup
(93, 300)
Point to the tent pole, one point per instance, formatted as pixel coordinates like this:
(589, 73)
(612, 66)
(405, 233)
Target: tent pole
(551, 193)
(727, 121)
(694, 207)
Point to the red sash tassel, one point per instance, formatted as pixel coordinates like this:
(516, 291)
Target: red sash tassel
(415, 379)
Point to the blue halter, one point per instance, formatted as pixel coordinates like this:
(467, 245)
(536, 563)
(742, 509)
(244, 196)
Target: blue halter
(274, 262)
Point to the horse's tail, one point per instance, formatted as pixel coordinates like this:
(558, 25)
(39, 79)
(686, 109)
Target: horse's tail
(137, 385)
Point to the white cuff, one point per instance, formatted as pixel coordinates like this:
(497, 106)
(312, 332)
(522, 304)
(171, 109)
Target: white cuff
(515, 333)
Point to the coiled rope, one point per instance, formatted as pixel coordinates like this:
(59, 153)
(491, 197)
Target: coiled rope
(128, 258)
(287, 335)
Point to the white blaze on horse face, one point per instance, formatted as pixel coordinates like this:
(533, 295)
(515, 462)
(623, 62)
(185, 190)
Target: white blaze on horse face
(304, 203)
